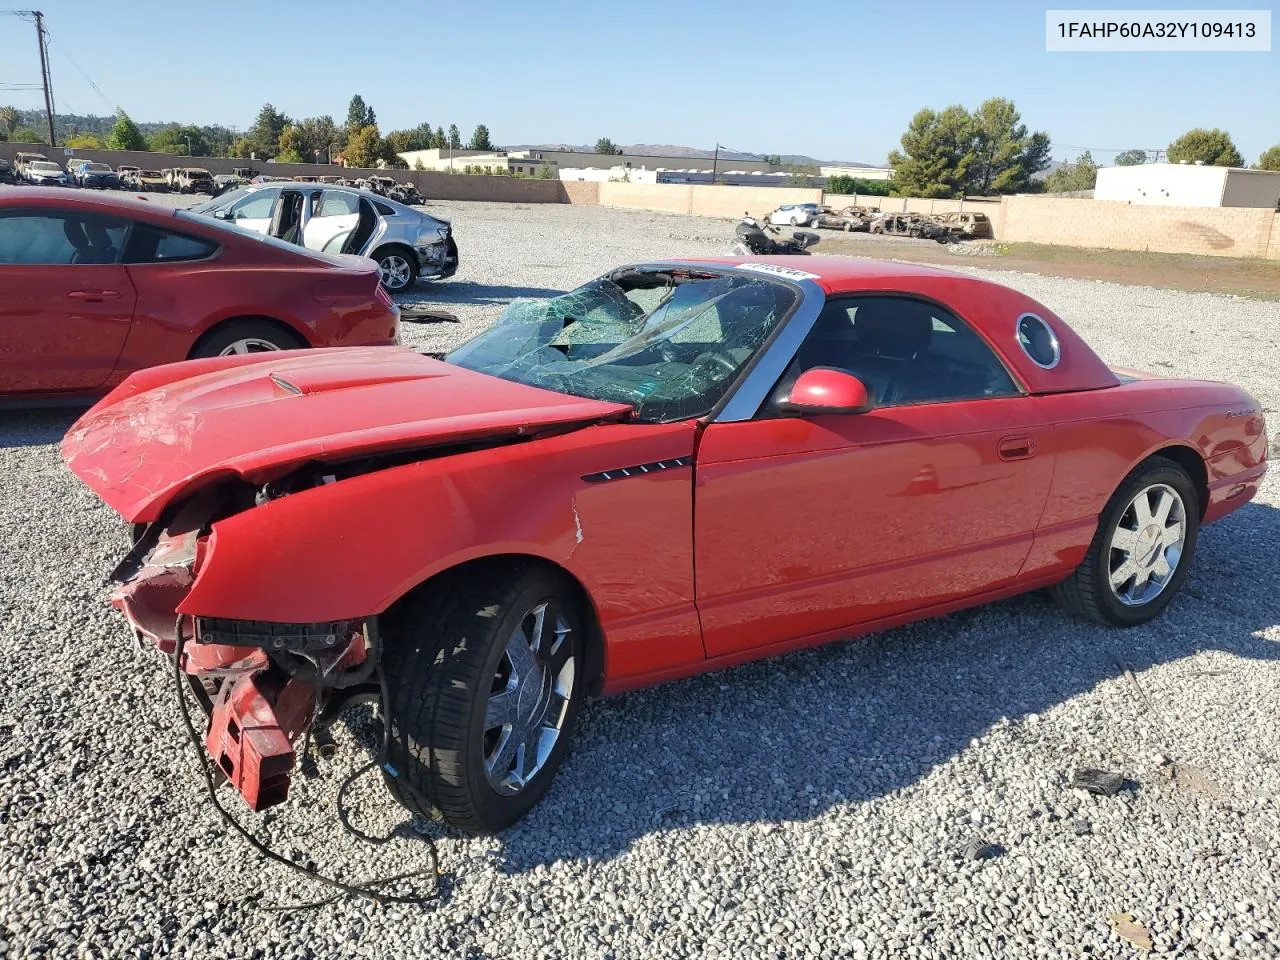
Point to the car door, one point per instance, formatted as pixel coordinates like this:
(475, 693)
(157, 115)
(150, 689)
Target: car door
(66, 302)
(335, 214)
(805, 526)
(255, 211)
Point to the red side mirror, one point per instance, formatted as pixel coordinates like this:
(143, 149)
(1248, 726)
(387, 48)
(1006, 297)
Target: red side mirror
(826, 390)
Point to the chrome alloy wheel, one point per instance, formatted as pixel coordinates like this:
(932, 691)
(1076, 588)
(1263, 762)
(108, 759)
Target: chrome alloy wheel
(528, 700)
(1147, 545)
(248, 345)
(395, 271)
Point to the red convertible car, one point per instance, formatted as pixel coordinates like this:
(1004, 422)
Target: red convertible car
(94, 288)
(678, 466)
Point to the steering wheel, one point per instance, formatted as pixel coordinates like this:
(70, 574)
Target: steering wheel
(721, 358)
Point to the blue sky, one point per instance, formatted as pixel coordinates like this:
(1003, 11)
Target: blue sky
(832, 80)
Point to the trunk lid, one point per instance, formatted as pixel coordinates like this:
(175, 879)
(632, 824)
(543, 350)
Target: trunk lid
(169, 430)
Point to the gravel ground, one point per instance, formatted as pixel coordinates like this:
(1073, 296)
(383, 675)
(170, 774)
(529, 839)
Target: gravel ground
(821, 805)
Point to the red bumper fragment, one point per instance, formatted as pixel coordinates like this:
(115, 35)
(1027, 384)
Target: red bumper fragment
(251, 733)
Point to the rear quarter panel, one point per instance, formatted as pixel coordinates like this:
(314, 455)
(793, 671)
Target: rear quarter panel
(179, 302)
(353, 548)
(1099, 437)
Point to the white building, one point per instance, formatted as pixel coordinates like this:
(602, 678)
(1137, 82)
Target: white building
(861, 173)
(1189, 185)
(617, 174)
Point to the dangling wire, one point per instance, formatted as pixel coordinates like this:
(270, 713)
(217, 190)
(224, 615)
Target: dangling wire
(364, 890)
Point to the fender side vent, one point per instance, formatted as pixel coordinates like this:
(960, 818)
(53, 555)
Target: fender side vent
(639, 470)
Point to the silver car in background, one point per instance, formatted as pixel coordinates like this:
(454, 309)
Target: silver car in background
(407, 243)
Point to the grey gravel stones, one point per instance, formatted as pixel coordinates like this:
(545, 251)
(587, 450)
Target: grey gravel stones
(808, 807)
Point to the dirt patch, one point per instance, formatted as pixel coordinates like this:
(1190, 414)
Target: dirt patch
(1258, 279)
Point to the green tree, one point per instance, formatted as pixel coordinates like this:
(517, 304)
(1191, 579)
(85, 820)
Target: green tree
(441, 141)
(605, 145)
(1210, 147)
(1005, 155)
(85, 141)
(1270, 159)
(1081, 175)
(937, 152)
(418, 164)
(316, 136)
(455, 138)
(480, 139)
(1131, 158)
(27, 135)
(359, 115)
(365, 147)
(264, 136)
(125, 134)
(402, 141)
(772, 159)
(846, 185)
(186, 141)
(292, 142)
(9, 120)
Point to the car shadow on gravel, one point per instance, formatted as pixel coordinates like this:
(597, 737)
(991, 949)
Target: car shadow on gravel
(465, 292)
(28, 427)
(790, 738)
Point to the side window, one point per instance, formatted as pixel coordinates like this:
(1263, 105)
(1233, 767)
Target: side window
(256, 206)
(905, 351)
(383, 209)
(59, 238)
(336, 203)
(148, 244)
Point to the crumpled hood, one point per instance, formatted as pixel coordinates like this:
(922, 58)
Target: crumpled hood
(171, 429)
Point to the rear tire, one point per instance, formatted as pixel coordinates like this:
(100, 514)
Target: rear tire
(399, 268)
(249, 335)
(1123, 537)
(455, 673)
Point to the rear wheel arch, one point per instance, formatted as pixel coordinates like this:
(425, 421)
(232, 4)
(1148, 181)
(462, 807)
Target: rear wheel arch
(221, 325)
(506, 563)
(1190, 460)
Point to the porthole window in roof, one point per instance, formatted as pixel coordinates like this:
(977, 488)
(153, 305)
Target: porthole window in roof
(1038, 341)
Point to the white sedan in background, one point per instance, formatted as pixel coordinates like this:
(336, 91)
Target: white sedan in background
(795, 214)
(408, 244)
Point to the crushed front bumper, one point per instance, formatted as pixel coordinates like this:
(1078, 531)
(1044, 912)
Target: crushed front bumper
(262, 685)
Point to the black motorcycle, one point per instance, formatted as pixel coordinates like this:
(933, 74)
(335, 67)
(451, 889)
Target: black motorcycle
(754, 239)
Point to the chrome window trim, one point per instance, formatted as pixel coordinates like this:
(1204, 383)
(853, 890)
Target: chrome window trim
(1053, 339)
(751, 391)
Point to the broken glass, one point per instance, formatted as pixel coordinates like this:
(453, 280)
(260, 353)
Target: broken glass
(667, 343)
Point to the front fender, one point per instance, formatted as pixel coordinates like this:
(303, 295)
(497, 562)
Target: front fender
(350, 549)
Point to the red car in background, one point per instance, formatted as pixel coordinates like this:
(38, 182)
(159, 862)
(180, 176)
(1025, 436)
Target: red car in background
(93, 288)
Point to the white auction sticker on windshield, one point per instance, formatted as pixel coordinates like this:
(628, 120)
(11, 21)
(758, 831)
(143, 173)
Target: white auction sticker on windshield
(791, 273)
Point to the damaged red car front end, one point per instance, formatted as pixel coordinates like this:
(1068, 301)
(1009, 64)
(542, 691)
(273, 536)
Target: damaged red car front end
(170, 452)
(261, 684)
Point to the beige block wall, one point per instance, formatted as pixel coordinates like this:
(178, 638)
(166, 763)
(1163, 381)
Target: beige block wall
(581, 192)
(702, 199)
(724, 201)
(1110, 225)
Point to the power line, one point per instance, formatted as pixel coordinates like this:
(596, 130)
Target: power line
(79, 69)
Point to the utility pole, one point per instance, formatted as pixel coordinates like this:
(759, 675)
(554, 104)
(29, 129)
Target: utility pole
(715, 164)
(44, 74)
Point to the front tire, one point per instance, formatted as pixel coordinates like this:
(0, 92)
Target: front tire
(1142, 550)
(486, 680)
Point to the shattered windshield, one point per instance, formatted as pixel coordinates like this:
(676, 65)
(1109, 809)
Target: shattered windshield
(668, 342)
